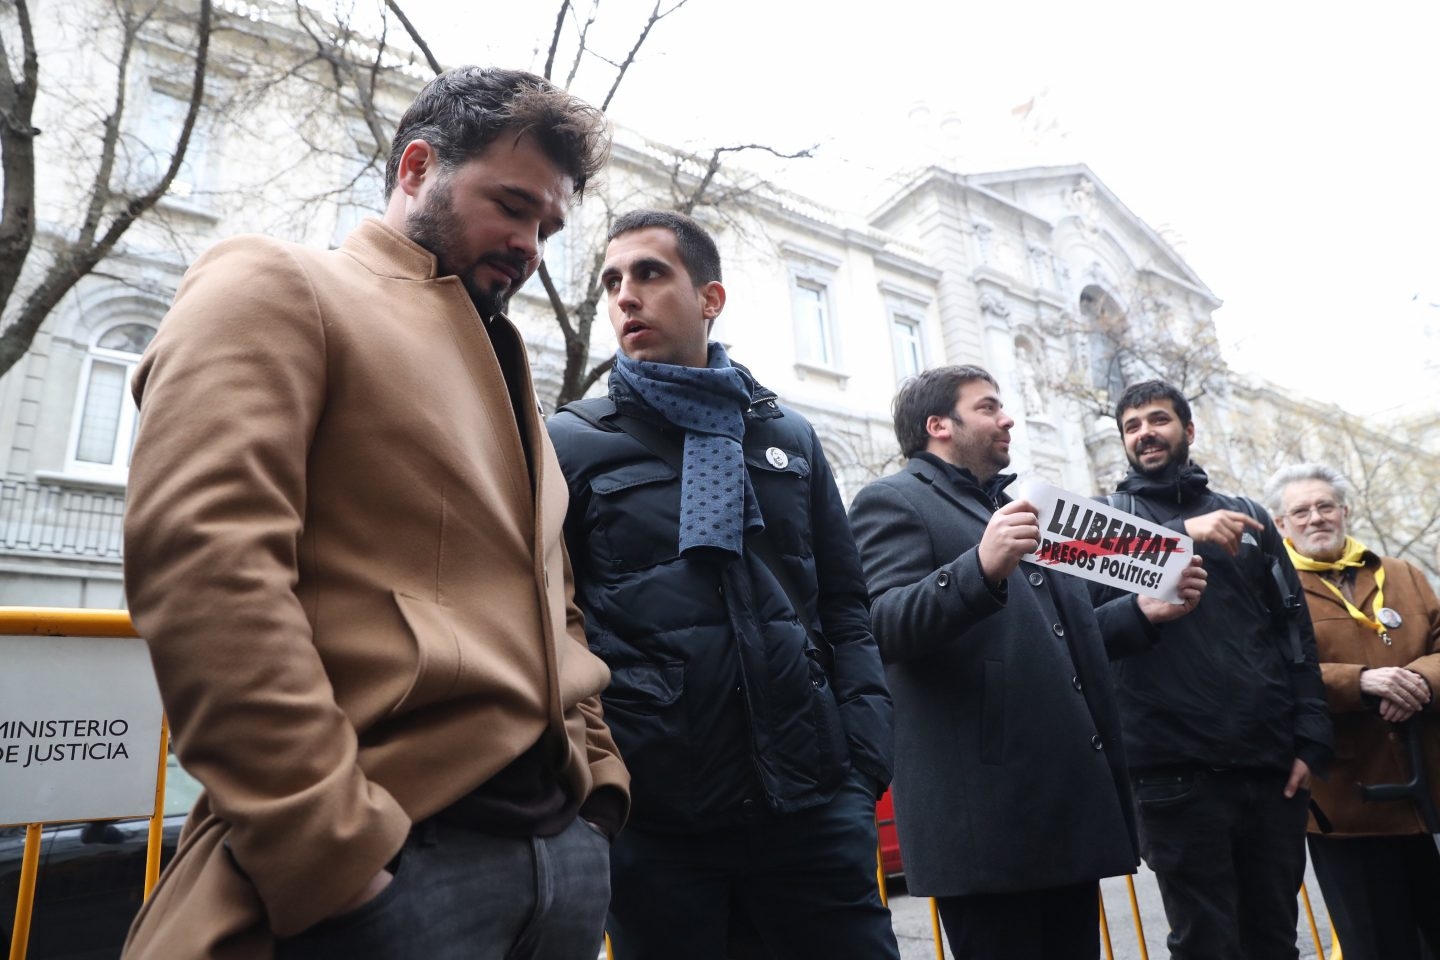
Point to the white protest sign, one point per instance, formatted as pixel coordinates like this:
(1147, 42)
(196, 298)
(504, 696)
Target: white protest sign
(1098, 542)
(79, 729)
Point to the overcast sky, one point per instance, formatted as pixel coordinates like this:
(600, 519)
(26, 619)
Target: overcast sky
(1289, 152)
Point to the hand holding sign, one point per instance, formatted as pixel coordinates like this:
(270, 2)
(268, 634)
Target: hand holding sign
(1191, 586)
(1013, 531)
(1096, 541)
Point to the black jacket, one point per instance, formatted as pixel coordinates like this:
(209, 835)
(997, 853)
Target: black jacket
(720, 704)
(1220, 687)
(1009, 774)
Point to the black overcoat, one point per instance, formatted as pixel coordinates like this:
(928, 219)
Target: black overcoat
(1009, 774)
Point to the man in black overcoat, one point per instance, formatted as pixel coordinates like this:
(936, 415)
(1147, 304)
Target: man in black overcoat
(1011, 794)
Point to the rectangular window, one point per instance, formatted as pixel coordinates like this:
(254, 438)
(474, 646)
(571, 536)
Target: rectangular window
(813, 338)
(100, 421)
(156, 137)
(907, 347)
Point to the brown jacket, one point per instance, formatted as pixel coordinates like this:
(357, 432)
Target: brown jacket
(357, 600)
(1367, 749)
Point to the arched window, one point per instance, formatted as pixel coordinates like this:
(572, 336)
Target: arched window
(105, 413)
(1107, 332)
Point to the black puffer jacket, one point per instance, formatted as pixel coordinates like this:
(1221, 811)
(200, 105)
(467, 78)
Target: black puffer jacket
(721, 706)
(1220, 688)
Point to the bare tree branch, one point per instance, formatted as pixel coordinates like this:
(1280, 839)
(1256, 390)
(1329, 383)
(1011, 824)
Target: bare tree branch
(73, 260)
(555, 38)
(557, 303)
(581, 45)
(594, 374)
(695, 197)
(656, 16)
(419, 41)
(17, 152)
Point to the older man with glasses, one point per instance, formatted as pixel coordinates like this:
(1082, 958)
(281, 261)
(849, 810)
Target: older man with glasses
(1377, 629)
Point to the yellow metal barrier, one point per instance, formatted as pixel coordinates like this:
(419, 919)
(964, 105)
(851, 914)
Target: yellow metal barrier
(56, 622)
(1310, 916)
(1104, 926)
(53, 622)
(1135, 912)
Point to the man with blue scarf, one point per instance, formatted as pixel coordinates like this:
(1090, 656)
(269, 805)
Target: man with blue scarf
(720, 582)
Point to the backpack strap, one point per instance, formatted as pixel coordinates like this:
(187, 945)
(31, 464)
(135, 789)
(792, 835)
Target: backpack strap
(593, 411)
(1290, 603)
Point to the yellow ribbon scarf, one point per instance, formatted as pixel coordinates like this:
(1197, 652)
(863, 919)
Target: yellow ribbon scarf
(1354, 556)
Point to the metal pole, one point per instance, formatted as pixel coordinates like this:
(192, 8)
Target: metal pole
(880, 875)
(1135, 912)
(62, 622)
(1310, 916)
(25, 904)
(935, 925)
(157, 818)
(1105, 927)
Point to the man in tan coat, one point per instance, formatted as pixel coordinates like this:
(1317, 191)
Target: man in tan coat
(1377, 629)
(343, 543)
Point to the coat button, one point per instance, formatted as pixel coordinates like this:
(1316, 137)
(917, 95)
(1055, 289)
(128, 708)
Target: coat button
(1097, 743)
(1059, 629)
(1075, 682)
(749, 810)
(1036, 579)
(942, 579)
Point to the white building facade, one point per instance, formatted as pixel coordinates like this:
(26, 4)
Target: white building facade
(1042, 276)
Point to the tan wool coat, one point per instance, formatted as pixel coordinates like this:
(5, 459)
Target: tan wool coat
(356, 597)
(1368, 750)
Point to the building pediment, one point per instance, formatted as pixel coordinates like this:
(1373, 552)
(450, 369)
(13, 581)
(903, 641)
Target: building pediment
(1067, 204)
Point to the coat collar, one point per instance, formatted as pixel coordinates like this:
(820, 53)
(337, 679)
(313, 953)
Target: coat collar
(960, 487)
(387, 252)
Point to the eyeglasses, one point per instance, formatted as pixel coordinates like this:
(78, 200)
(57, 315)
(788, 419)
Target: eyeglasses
(1328, 510)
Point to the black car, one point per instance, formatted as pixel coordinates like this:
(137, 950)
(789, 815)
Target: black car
(91, 878)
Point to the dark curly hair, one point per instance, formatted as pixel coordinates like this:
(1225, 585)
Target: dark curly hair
(462, 111)
(1149, 391)
(931, 393)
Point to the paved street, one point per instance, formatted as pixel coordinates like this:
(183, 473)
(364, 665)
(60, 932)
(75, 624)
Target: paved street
(913, 925)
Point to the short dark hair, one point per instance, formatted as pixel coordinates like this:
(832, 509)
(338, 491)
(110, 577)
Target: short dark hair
(462, 111)
(931, 393)
(1148, 391)
(697, 248)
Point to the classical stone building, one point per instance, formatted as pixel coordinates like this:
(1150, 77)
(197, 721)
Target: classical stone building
(1042, 275)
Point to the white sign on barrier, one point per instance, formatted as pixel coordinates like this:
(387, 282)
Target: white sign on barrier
(79, 729)
(1098, 542)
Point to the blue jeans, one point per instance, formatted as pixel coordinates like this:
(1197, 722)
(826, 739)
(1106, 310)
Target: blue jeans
(804, 881)
(1228, 850)
(459, 894)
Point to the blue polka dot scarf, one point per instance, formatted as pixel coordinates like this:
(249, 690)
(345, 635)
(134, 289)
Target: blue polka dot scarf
(717, 504)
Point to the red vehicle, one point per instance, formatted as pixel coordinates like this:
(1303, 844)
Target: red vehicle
(889, 843)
